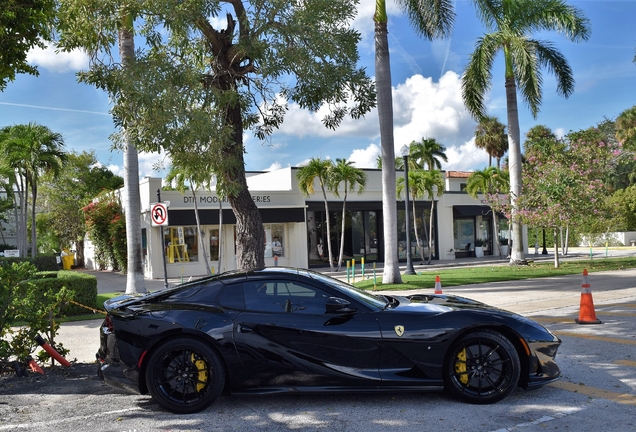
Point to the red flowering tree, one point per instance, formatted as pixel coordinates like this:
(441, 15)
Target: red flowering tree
(106, 227)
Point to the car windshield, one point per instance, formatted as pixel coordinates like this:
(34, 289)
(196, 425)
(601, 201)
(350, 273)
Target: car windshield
(351, 291)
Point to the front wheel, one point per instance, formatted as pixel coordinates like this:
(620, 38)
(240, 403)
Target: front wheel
(482, 367)
(185, 375)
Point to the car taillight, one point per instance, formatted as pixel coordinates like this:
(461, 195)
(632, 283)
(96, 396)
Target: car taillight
(108, 323)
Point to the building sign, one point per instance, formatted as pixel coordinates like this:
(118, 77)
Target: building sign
(14, 253)
(159, 214)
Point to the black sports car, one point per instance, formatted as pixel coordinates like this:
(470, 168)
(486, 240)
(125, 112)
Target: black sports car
(294, 330)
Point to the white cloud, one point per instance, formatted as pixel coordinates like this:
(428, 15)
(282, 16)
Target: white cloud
(465, 157)
(147, 164)
(54, 61)
(423, 108)
(274, 167)
(365, 158)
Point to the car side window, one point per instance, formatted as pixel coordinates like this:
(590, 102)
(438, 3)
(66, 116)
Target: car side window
(232, 297)
(284, 297)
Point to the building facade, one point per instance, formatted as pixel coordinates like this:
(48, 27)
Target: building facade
(295, 225)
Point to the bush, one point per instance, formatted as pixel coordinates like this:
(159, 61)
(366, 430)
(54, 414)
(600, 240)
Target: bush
(31, 306)
(84, 286)
(42, 262)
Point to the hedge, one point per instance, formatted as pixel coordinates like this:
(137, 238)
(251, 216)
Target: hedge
(84, 286)
(42, 262)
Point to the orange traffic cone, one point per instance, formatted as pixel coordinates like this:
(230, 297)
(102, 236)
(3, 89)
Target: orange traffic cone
(586, 311)
(438, 285)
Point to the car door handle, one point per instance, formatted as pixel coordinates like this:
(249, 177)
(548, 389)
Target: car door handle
(245, 329)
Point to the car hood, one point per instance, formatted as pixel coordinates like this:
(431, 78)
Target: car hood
(439, 303)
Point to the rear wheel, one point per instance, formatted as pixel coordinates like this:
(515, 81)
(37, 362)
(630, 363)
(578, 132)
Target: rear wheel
(482, 367)
(185, 375)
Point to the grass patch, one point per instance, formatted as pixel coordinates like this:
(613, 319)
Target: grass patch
(499, 272)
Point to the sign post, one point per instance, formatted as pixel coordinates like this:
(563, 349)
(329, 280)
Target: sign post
(159, 217)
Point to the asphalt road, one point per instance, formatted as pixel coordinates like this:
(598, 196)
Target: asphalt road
(597, 391)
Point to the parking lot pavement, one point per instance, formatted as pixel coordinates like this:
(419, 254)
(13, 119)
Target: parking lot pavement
(597, 391)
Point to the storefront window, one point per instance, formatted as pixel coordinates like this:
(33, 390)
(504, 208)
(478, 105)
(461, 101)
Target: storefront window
(214, 245)
(274, 240)
(181, 244)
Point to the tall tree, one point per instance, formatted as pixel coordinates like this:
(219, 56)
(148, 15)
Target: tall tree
(318, 170)
(492, 183)
(511, 25)
(24, 24)
(430, 19)
(490, 135)
(31, 150)
(64, 195)
(353, 178)
(424, 184)
(427, 154)
(135, 281)
(201, 81)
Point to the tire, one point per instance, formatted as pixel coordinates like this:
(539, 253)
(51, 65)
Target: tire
(185, 375)
(482, 368)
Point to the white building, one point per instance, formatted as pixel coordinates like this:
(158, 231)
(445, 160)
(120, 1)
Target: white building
(297, 223)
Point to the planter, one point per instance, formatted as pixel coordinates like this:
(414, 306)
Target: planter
(504, 250)
(479, 251)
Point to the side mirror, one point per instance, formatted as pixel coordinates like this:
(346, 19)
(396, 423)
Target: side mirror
(336, 305)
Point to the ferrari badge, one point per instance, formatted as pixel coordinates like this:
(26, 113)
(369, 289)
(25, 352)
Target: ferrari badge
(399, 330)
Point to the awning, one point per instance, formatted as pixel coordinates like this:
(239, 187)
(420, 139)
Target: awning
(460, 211)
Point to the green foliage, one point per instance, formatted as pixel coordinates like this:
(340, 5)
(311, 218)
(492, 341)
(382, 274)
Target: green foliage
(24, 24)
(36, 308)
(42, 262)
(84, 286)
(81, 180)
(106, 228)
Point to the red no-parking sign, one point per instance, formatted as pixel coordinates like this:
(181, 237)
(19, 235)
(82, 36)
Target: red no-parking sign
(159, 214)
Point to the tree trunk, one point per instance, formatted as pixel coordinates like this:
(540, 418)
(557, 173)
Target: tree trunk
(329, 254)
(430, 232)
(342, 231)
(556, 250)
(34, 194)
(135, 282)
(250, 238)
(220, 234)
(391, 271)
(199, 233)
(517, 257)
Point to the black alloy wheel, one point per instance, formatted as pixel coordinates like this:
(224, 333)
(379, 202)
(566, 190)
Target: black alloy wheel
(185, 375)
(482, 367)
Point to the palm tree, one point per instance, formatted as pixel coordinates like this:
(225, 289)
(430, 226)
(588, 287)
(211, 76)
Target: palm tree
(431, 19)
(344, 171)
(490, 182)
(626, 126)
(31, 150)
(317, 169)
(510, 24)
(427, 153)
(490, 135)
(423, 184)
(135, 282)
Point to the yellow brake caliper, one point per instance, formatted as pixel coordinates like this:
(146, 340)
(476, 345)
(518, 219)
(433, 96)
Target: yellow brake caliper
(203, 373)
(460, 367)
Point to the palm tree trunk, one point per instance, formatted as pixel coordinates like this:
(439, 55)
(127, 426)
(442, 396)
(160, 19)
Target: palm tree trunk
(220, 234)
(34, 243)
(135, 282)
(430, 232)
(417, 237)
(391, 271)
(556, 250)
(199, 233)
(329, 254)
(342, 230)
(516, 254)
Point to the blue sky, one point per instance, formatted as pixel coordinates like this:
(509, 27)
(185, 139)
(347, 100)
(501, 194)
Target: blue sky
(426, 95)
